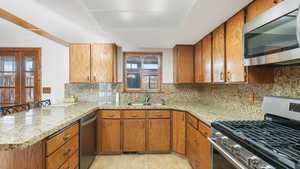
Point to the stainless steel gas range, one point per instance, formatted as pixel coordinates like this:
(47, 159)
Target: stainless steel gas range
(272, 143)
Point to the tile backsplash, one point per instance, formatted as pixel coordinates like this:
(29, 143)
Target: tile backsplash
(229, 97)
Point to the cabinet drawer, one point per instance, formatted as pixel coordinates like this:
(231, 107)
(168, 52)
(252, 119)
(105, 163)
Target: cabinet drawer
(72, 163)
(134, 114)
(57, 141)
(110, 114)
(55, 160)
(158, 114)
(204, 130)
(192, 120)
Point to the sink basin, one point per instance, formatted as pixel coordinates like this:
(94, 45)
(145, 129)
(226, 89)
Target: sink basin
(145, 104)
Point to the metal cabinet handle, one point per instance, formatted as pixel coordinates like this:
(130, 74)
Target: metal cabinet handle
(88, 78)
(95, 78)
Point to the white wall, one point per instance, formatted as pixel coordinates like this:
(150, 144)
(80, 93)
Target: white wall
(55, 57)
(167, 63)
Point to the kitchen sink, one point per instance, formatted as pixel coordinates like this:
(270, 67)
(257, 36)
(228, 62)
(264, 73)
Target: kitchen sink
(146, 104)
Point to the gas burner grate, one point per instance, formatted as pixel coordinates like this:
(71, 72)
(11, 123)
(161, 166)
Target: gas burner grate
(282, 140)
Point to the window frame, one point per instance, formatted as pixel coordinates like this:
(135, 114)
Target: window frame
(20, 83)
(142, 54)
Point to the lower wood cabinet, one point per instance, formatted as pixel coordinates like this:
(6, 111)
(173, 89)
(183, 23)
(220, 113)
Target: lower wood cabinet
(134, 135)
(179, 132)
(110, 139)
(199, 149)
(159, 135)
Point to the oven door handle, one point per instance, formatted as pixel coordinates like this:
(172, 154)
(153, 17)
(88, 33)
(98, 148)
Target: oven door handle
(226, 155)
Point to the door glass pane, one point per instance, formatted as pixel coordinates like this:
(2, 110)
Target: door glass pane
(151, 63)
(29, 63)
(133, 64)
(29, 95)
(276, 36)
(133, 81)
(29, 79)
(7, 95)
(7, 71)
(151, 82)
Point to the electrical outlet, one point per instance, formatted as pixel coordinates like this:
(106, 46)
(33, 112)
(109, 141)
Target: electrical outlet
(251, 98)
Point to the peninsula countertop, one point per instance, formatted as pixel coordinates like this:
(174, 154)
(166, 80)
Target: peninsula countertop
(23, 129)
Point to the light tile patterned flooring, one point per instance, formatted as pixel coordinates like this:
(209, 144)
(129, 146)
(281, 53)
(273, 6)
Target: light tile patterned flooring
(146, 161)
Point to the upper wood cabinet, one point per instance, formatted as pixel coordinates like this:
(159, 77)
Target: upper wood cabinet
(198, 63)
(183, 64)
(93, 63)
(207, 59)
(257, 7)
(236, 72)
(234, 48)
(80, 63)
(103, 62)
(219, 55)
(179, 132)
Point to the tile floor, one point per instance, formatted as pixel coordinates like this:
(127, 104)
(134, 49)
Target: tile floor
(146, 161)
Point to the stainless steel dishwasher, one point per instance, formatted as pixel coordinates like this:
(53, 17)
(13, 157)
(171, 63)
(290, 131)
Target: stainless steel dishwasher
(87, 140)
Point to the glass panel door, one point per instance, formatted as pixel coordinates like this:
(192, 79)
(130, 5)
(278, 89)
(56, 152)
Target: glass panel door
(8, 72)
(276, 36)
(29, 78)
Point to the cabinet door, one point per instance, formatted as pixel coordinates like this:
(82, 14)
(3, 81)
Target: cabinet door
(159, 135)
(110, 136)
(134, 135)
(193, 147)
(206, 152)
(184, 64)
(80, 59)
(234, 53)
(258, 7)
(198, 63)
(179, 135)
(103, 63)
(219, 54)
(207, 59)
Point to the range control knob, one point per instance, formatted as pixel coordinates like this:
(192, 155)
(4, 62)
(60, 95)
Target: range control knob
(218, 134)
(266, 167)
(236, 149)
(253, 161)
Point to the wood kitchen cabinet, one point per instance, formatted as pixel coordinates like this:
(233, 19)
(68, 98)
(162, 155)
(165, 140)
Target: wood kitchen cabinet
(179, 132)
(159, 135)
(207, 59)
(218, 67)
(199, 150)
(103, 63)
(80, 61)
(198, 63)
(134, 135)
(183, 63)
(91, 63)
(193, 151)
(257, 7)
(236, 72)
(110, 139)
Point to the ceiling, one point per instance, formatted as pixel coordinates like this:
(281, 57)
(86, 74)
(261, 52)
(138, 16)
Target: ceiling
(143, 23)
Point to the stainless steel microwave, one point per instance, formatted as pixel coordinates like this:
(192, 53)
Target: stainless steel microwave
(273, 37)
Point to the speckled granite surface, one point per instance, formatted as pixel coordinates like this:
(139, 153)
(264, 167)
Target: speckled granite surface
(26, 128)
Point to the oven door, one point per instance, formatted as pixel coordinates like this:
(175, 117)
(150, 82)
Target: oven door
(224, 160)
(273, 37)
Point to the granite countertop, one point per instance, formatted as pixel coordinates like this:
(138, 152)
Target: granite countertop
(23, 129)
